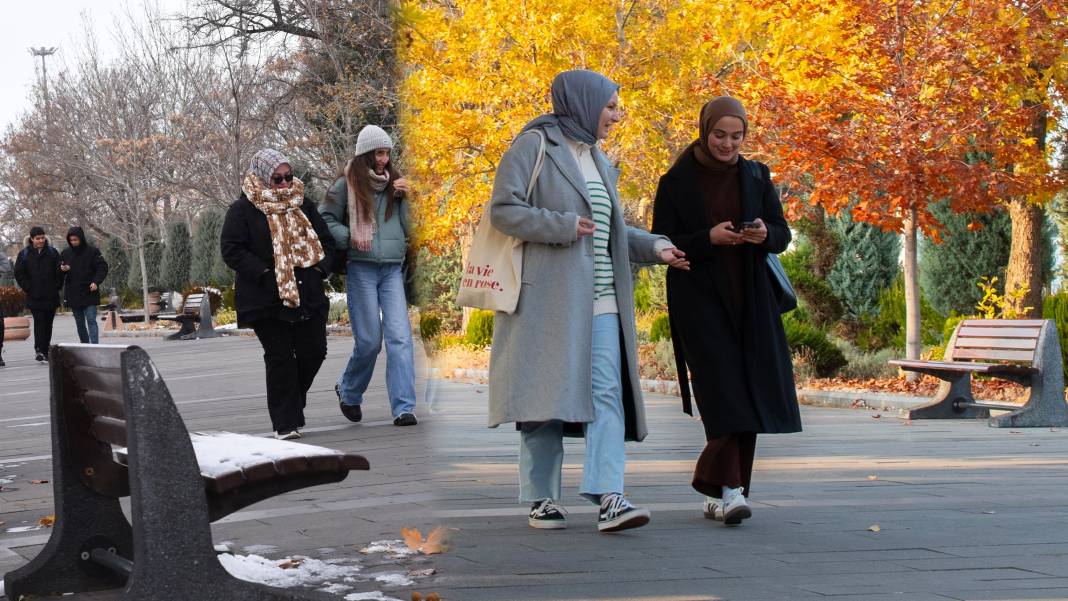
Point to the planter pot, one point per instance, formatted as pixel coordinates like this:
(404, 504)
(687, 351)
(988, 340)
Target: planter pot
(16, 328)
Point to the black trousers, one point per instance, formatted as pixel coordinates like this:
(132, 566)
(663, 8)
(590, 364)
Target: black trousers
(1, 330)
(293, 353)
(42, 329)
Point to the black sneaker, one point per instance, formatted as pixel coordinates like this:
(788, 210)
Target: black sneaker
(405, 419)
(353, 412)
(40, 357)
(545, 515)
(618, 514)
(2, 362)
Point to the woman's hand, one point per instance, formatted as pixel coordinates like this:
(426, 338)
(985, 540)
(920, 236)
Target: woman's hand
(401, 185)
(756, 235)
(675, 258)
(586, 227)
(723, 235)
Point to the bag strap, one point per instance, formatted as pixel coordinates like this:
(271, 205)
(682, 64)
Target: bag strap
(538, 162)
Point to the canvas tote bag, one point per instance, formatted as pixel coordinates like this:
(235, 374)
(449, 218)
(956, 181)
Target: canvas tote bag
(494, 269)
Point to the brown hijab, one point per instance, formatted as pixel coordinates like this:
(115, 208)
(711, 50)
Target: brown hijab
(711, 113)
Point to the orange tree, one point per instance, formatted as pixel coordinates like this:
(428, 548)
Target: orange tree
(915, 105)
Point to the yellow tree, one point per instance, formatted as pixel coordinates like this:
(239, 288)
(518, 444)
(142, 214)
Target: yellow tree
(477, 71)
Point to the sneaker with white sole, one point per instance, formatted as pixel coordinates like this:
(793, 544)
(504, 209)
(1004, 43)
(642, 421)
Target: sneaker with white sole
(713, 509)
(546, 515)
(617, 514)
(736, 509)
(287, 435)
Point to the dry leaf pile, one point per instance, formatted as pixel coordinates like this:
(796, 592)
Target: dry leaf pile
(436, 540)
(992, 390)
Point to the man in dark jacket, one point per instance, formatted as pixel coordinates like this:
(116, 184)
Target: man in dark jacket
(37, 273)
(85, 270)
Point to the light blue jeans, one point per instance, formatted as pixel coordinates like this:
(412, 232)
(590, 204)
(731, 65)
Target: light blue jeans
(85, 321)
(377, 307)
(541, 450)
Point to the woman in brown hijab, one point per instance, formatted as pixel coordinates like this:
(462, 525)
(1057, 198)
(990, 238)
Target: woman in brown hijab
(723, 211)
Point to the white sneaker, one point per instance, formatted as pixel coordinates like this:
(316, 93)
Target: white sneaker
(736, 509)
(290, 435)
(713, 509)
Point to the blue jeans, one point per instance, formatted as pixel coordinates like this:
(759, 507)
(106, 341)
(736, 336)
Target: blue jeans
(85, 321)
(377, 307)
(541, 450)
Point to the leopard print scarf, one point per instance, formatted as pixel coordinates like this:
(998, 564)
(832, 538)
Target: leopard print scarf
(293, 239)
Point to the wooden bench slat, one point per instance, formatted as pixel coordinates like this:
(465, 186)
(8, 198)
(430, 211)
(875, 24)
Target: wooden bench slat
(998, 343)
(964, 366)
(105, 403)
(109, 429)
(97, 378)
(1004, 323)
(988, 332)
(1001, 355)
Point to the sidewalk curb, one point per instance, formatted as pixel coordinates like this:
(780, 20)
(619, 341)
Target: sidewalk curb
(842, 399)
(331, 330)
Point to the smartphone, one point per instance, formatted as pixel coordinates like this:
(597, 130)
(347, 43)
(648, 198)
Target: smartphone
(750, 225)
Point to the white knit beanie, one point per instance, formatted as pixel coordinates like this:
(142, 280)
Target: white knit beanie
(371, 138)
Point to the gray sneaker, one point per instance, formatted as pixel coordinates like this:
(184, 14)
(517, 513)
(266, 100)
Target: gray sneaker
(617, 514)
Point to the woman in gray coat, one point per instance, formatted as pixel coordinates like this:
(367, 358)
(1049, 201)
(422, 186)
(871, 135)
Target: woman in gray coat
(566, 359)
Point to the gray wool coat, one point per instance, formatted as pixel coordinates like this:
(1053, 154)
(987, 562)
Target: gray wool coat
(540, 365)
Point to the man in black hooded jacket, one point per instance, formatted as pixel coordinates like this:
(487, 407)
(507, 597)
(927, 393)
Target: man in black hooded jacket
(37, 273)
(85, 269)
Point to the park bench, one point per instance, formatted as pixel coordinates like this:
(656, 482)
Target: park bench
(1024, 351)
(115, 433)
(195, 309)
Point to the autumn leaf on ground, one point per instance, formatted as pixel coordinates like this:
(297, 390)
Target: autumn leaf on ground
(417, 596)
(873, 477)
(421, 573)
(47, 520)
(38, 481)
(435, 541)
(290, 563)
(874, 528)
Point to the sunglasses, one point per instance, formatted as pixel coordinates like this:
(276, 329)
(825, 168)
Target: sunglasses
(277, 179)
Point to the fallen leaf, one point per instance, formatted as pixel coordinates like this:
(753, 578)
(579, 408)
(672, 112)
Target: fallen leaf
(290, 563)
(907, 422)
(873, 477)
(877, 416)
(435, 541)
(417, 596)
(422, 573)
(874, 528)
(38, 481)
(47, 520)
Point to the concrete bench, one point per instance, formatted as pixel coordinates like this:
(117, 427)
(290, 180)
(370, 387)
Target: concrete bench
(1024, 351)
(195, 309)
(115, 433)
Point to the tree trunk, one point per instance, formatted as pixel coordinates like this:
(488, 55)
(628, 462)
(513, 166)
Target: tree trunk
(465, 251)
(1025, 258)
(913, 340)
(144, 275)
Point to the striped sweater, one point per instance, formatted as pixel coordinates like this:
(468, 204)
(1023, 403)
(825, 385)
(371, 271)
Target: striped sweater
(604, 291)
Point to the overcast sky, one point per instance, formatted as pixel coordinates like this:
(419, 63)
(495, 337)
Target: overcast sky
(54, 23)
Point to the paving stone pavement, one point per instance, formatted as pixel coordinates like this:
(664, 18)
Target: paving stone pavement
(964, 512)
(218, 384)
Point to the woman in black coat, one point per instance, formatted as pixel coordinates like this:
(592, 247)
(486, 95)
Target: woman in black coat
(271, 238)
(85, 269)
(723, 211)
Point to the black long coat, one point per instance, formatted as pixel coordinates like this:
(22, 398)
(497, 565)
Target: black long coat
(37, 273)
(87, 266)
(740, 363)
(247, 249)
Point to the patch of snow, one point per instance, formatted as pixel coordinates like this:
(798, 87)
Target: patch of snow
(7, 480)
(260, 549)
(394, 579)
(371, 596)
(1, 587)
(225, 452)
(396, 547)
(229, 326)
(337, 297)
(308, 572)
(336, 589)
(22, 529)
